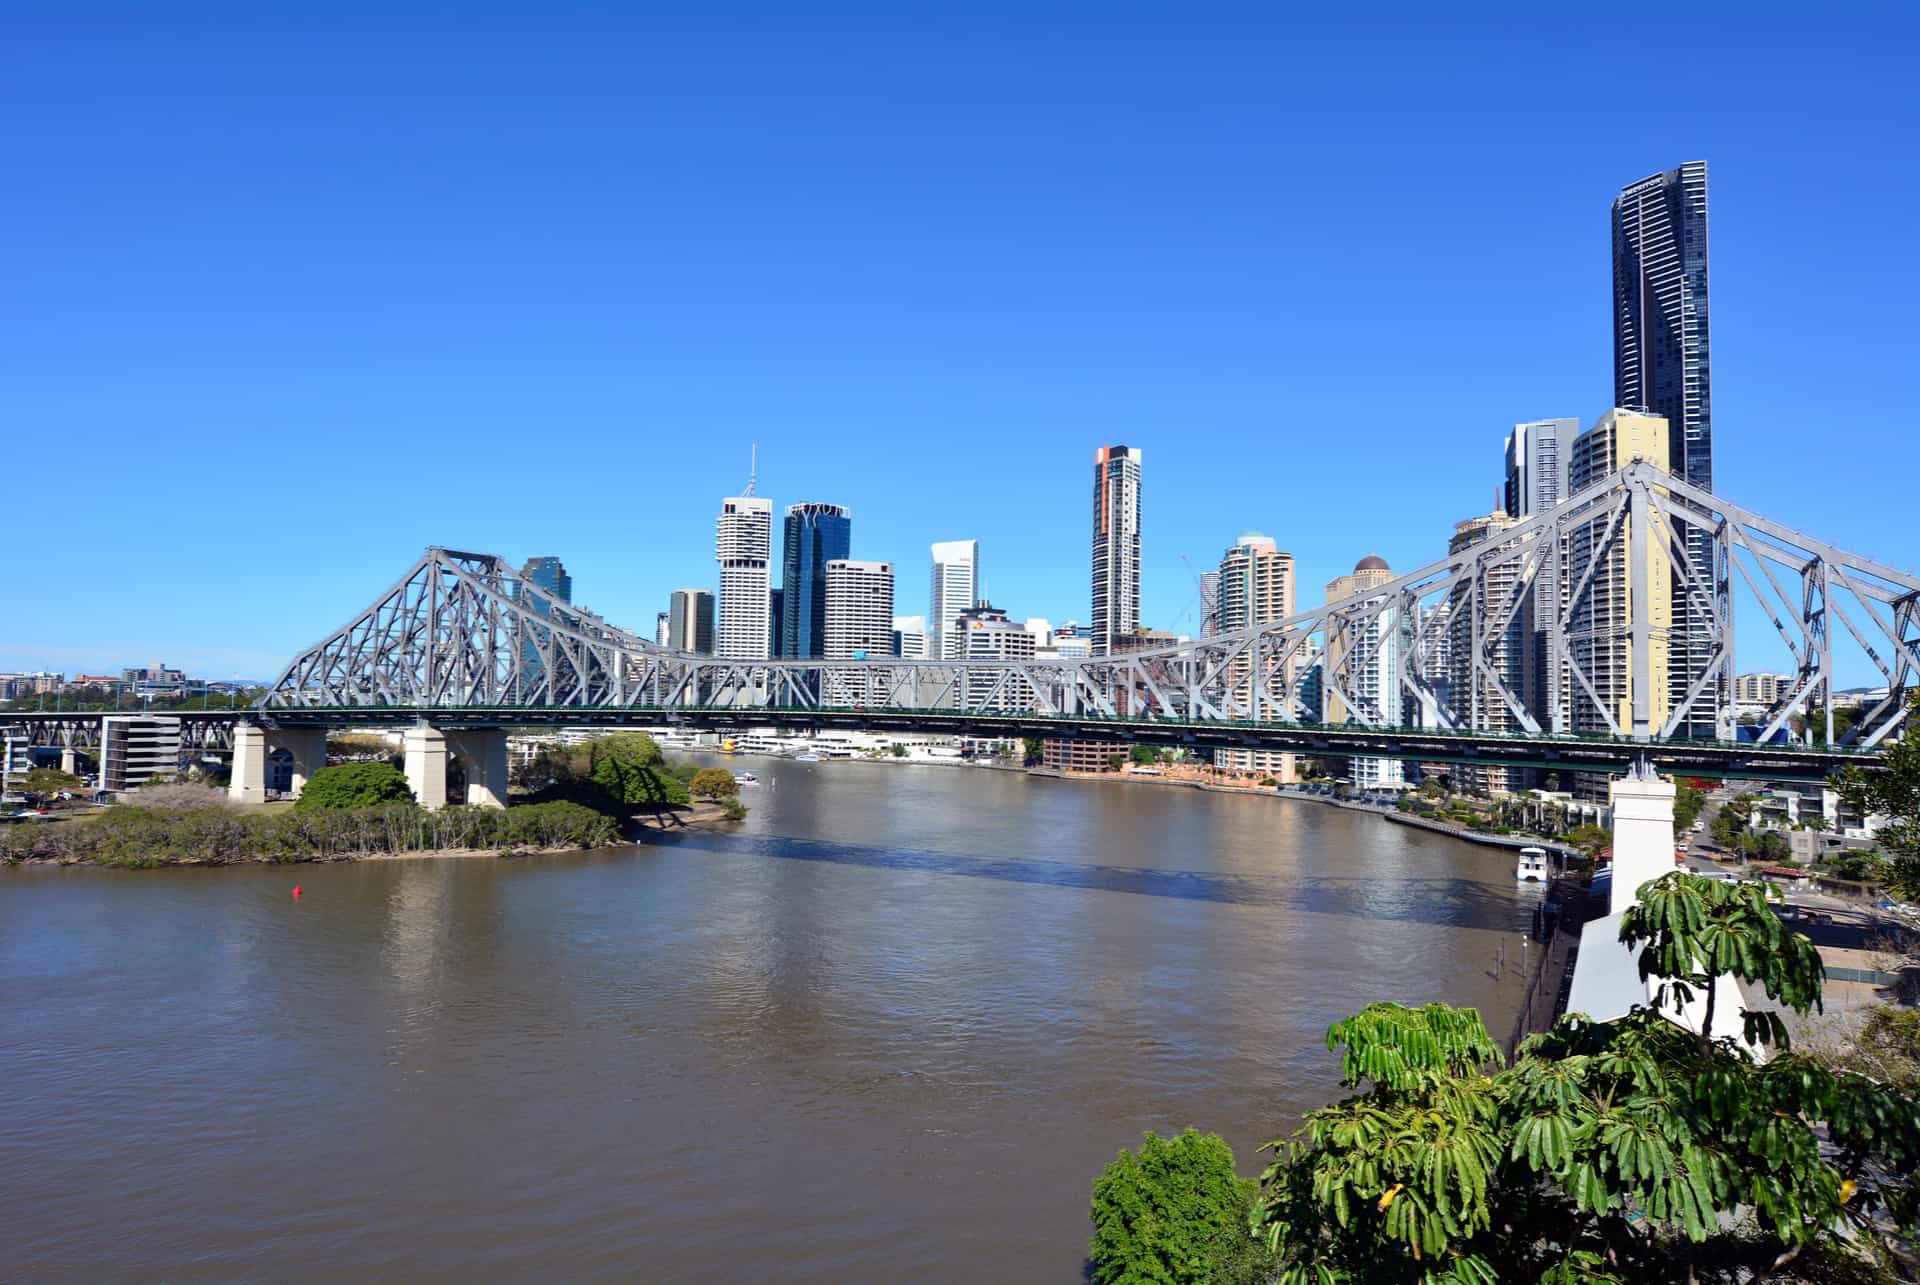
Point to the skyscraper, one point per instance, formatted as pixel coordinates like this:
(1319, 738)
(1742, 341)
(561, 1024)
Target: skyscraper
(910, 637)
(690, 621)
(859, 609)
(1209, 603)
(956, 579)
(550, 576)
(1660, 343)
(1661, 365)
(1537, 465)
(1365, 660)
(816, 534)
(1116, 546)
(1256, 587)
(1473, 682)
(743, 546)
(663, 628)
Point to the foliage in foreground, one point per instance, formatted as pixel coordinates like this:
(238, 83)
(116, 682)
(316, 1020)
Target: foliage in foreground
(713, 783)
(1174, 1212)
(1627, 1150)
(137, 837)
(354, 785)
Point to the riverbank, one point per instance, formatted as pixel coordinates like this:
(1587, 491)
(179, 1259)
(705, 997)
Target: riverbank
(130, 837)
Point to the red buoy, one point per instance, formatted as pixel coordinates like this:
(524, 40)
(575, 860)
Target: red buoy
(296, 892)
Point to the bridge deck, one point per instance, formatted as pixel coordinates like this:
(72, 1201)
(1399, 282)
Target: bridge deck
(1560, 753)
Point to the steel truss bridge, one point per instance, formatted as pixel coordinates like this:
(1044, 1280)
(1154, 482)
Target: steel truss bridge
(1610, 585)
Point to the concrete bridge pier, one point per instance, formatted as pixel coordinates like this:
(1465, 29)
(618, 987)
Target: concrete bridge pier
(425, 751)
(69, 761)
(308, 746)
(481, 753)
(1642, 831)
(248, 781)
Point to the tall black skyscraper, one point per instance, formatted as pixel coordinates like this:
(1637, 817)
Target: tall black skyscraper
(1660, 348)
(1661, 364)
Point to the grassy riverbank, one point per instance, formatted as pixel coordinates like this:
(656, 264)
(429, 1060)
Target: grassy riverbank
(134, 837)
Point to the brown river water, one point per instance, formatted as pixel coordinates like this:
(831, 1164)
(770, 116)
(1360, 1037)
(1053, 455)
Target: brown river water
(887, 1029)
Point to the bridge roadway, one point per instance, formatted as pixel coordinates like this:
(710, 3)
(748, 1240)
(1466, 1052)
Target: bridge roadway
(1558, 753)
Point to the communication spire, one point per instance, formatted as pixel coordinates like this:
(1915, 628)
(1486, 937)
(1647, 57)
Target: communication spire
(753, 466)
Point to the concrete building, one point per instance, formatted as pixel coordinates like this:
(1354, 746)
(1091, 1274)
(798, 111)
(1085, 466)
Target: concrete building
(1662, 366)
(987, 634)
(816, 534)
(1537, 465)
(743, 546)
(859, 609)
(1370, 655)
(1209, 603)
(663, 628)
(1598, 626)
(910, 637)
(859, 624)
(1255, 584)
(1473, 692)
(135, 748)
(690, 621)
(1762, 690)
(1116, 545)
(956, 581)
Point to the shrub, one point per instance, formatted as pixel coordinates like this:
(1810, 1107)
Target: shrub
(713, 783)
(1175, 1212)
(355, 785)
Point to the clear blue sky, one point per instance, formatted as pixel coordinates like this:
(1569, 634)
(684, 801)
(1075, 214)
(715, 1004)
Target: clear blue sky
(290, 295)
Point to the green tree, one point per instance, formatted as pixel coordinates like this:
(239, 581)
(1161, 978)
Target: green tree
(1115, 762)
(1033, 749)
(1618, 1151)
(713, 783)
(1590, 839)
(1174, 1212)
(1893, 790)
(1687, 802)
(630, 767)
(1144, 754)
(43, 783)
(354, 785)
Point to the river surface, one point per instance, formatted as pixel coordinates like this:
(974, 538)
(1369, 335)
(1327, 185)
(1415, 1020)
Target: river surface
(887, 1029)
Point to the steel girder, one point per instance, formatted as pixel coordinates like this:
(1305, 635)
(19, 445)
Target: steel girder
(1580, 585)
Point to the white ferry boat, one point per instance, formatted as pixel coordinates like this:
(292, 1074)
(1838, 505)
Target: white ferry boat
(1532, 866)
(745, 778)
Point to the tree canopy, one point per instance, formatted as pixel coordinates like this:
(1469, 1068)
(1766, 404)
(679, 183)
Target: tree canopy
(1175, 1212)
(354, 785)
(1624, 1150)
(713, 783)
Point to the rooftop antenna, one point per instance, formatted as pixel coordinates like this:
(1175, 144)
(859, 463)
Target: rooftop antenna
(753, 466)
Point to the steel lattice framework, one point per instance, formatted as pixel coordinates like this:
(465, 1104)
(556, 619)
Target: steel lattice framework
(1596, 586)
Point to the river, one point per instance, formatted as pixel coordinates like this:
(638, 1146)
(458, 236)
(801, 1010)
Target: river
(887, 1029)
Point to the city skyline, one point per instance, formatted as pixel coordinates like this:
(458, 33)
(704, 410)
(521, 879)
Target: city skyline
(691, 319)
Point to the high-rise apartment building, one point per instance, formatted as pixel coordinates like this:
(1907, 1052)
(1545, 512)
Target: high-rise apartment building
(1599, 623)
(1662, 366)
(1366, 661)
(816, 534)
(690, 621)
(1537, 458)
(743, 546)
(1660, 331)
(663, 628)
(1473, 690)
(1209, 603)
(1116, 546)
(956, 581)
(1537, 465)
(1255, 583)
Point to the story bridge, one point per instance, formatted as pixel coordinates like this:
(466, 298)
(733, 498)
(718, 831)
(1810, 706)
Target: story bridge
(1624, 597)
